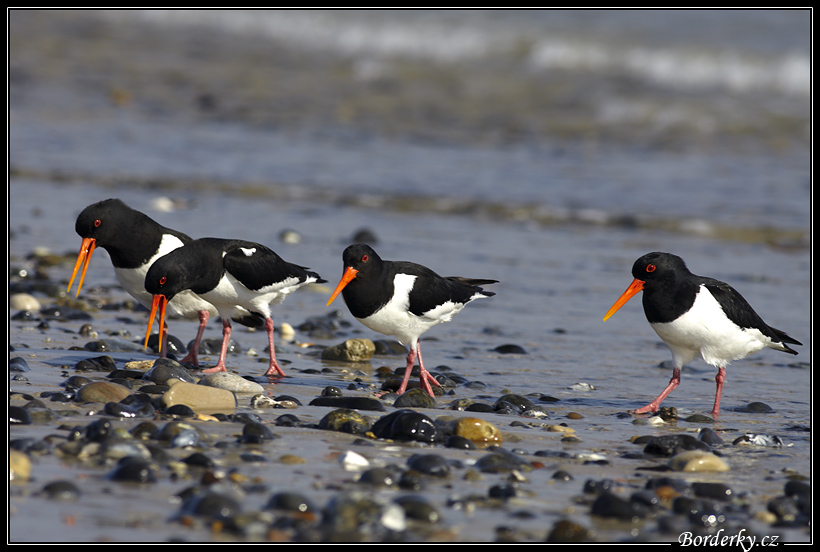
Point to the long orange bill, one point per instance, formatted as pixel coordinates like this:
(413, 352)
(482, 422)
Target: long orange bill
(84, 256)
(161, 302)
(634, 287)
(347, 277)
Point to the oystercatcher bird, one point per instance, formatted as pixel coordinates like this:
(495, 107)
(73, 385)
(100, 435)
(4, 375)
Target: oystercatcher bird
(228, 274)
(134, 241)
(695, 316)
(402, 299)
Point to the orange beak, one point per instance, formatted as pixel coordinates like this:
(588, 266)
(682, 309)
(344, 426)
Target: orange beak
(634, 287)
(161, 302)
(347, 277)
(83, 258)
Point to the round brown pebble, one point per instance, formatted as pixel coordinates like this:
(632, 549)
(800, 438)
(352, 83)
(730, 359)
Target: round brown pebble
(480, 432)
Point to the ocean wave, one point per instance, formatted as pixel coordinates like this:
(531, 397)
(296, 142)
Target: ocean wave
(516, 39)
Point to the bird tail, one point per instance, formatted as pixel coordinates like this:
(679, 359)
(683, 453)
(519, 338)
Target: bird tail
(783, 338)
(476, 283)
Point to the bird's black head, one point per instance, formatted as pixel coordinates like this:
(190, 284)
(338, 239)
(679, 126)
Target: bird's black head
(165, 277)
(103, 221)
(657, 267)
(359, 260)
(653, 273)
(360, 257)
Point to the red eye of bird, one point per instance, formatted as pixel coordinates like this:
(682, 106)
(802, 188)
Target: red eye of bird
(365, 258)
(162, 281)
(97, 223)
(650, 268)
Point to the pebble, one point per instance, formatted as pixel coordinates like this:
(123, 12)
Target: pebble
(429, 464)
(558, 428)
(165, 369)
(61, 490)
(345, 420)
(697, 461)
(102, 392)
(212, 346)
(415, 398)
(459, 442)
(378, 477)
(113, 346)
(350, 350)
(211, 503)
(510, 349)
(756, 408)
(291, 502)
(699, 419)
(717, 491)
(710, 437)
(609, 505)
(133, 470)
(356, 516)
(291, 459)
(19, 466)
(480, 432)
(502, 461)
(520, 406)
(407, 425)
(389, 347)
(231, 382)
(569, 531)
(264, 401)
(355, 403)
(98, 364)
(200, 398)
(24, 302)
(19, 415)
(255, 433)
(669, 445)
(419, 509)
(18, 364)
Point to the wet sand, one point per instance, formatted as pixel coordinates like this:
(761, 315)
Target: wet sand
(557, 276)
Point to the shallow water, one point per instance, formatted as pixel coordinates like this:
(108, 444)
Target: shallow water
(558, 222)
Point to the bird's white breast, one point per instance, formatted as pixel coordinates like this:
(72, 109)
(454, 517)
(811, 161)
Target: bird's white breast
(395, 318)
(706, 330)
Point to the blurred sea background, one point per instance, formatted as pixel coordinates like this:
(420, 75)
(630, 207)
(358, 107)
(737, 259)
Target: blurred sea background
(690, 120)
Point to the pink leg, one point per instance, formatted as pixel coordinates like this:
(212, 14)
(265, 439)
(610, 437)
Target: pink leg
(720, 378)
(424, 376)
(273, 369)
(191, 357)
(226, 337)
(411, 359)
(654, 405)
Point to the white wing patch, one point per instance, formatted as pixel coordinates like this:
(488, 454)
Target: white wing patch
(230, 293)
(185, 304)
(248, 252)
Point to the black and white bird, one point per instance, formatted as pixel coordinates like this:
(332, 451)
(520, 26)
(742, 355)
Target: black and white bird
(695, 316)
(228, 274)
(134, 241)
(402, 299)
